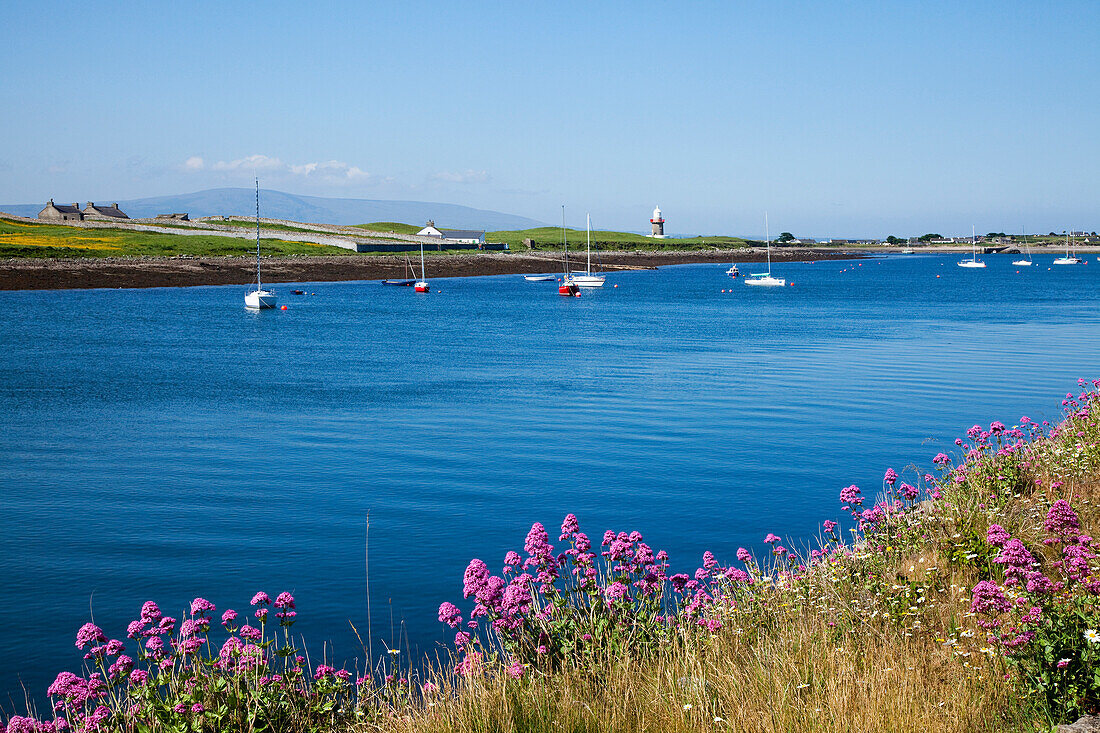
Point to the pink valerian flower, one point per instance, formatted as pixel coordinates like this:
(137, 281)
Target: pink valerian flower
(449, 614)
(538, 548)
(942, 459)
(678, 581)
(470, 665)
(475, 578)
(708, 560)
(88, 634)
(514, 670)
(167, 625)
(997, 535)
(261, 599)
(150, 612)
(616, 592)
(139, 677)
(988, 599)
(771, 539)
(779, 551)
(891, 476)
(229, 617)
(201, 606)
(180, 708)
(261, 614)
(284, 601)
(115, 647)
(744, 555)
(850, 497)
(908, 492)
(135, 630)
(996, 427)
(323, 670)
(251, 633)
(197, 708)
(1017, 560)
(828, 525)
(1062, 522)
(569, 527)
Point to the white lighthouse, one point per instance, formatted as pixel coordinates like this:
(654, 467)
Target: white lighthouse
(658, 223)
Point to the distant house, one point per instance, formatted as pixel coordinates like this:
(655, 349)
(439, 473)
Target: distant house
(463, 236)
(174, 217)
(61, 212)
(103, 212)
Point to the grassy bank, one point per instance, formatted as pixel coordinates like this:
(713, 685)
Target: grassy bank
(390, 227)
(958, 596)
(22, 239)
(544, 238)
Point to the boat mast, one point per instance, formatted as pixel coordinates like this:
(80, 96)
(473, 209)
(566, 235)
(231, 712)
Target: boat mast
(589, 225)
(421, 260)
(564, 241)
(259, 285)
(768, 237)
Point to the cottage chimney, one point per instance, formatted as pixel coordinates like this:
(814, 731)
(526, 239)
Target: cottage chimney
(91, 204)
(431, 223)
(115, 204)
(50, 203)
(76, 205)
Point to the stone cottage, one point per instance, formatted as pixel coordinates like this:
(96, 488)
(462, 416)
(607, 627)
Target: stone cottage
(103, 212)
(61, 212)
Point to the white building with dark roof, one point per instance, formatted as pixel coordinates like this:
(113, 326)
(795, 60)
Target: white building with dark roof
(61, 212)
(463, 236)
(103, 212)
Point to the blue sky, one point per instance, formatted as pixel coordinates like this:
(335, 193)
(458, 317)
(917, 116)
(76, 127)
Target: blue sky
(839, 119)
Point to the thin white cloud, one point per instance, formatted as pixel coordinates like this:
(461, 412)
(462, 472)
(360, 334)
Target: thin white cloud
(330, 171)
(467, 176)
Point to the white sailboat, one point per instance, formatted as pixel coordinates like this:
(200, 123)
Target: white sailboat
(765, 278)
(588, 279)
(1070, 258)
(973, 261)
(1027, 262)
(421, 285)
(260, 298)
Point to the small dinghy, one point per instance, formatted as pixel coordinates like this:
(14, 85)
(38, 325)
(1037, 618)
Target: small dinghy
(540, 278)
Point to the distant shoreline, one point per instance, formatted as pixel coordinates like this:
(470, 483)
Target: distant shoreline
(154, 272)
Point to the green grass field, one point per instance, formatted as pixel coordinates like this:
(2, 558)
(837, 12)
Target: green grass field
(25, 240)
(390, 227)
(550, 238)
(252, 225)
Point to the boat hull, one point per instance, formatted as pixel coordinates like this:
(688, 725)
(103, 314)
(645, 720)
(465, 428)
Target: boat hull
(403, 283)
(540, 278)
(766, 281)
(421, 287)
(971, 263)
(1022, 263)
(584, 280)
(1067, 261)
(568, 289)
(260, 300)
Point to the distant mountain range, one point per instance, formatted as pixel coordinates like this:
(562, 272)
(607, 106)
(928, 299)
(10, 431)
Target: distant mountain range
(314, 209)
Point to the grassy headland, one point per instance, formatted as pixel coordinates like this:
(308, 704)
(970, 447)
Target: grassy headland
(25, 240)
(549, 238)
(390, 227)
(963, 601)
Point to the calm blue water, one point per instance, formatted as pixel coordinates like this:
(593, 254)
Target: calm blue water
(163, 444)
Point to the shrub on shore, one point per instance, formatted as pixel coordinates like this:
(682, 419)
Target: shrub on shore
(961, 599)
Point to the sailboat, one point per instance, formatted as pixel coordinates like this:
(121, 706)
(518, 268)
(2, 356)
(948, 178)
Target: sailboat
(567, 286)
(260, 298)
(765, 278)
(421, 285)
(407, 280)
(973, 261)
(1027, 262)
(588, 279)
(1069, 259)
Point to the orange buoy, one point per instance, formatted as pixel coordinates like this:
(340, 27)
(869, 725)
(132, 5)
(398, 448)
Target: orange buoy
(616, 286)
(937, 275)
(283, 308)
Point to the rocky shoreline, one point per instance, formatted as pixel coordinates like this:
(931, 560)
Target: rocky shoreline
(184, 271)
